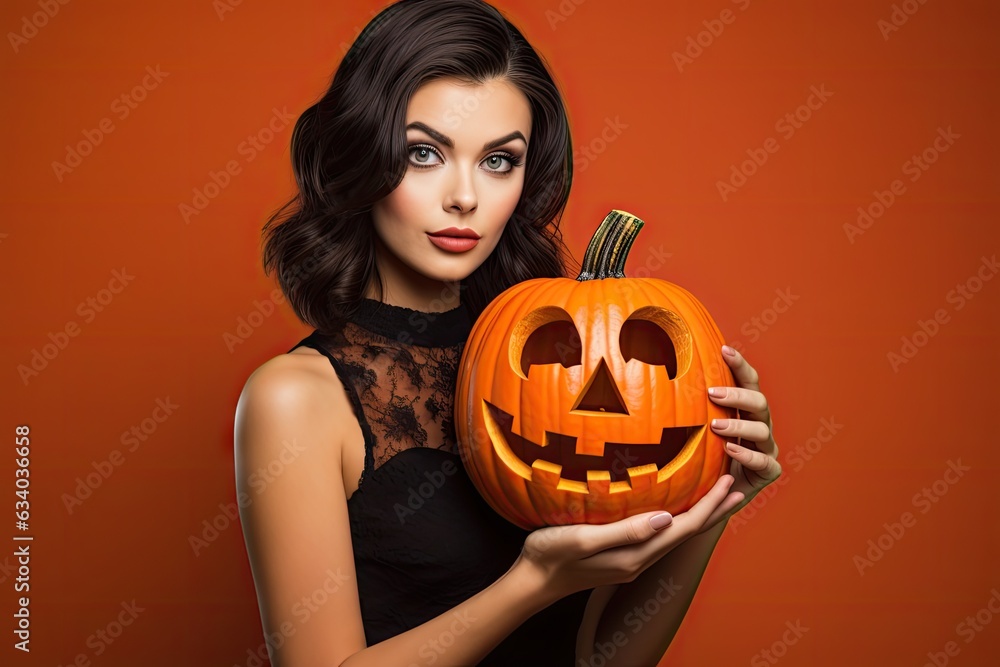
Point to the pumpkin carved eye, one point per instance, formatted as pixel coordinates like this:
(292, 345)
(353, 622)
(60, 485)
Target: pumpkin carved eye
(658, 337)
(545, 336)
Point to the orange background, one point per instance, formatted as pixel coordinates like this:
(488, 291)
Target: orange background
(788, 557)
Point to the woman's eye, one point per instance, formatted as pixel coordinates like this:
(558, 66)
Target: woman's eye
(494, 162)
(423, 155)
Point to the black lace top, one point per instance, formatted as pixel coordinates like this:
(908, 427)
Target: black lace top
(424, 540)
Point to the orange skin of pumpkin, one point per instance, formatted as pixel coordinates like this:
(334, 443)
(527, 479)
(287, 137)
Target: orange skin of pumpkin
(532, 497)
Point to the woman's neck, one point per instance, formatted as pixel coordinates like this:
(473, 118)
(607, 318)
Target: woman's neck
(402, 286)
(436, 297)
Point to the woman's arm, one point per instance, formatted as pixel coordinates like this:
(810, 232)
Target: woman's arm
(463, 636)
(634, 623)
(291, 421)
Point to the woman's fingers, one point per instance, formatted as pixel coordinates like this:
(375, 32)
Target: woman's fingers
(695, 518)
(590, 539)
(682, 526)
(743, 372)
(763, 466)
(751, 403)
(595, 538)
(757, 425)
(587, 555)
(741, 428)
(731, 502)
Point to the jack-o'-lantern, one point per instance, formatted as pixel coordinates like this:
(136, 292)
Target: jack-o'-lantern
(585, 401)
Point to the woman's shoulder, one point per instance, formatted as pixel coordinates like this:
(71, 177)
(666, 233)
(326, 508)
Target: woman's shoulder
(298, 386)
(300, 367)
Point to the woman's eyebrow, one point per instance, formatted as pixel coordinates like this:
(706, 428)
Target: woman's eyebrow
(437, 136)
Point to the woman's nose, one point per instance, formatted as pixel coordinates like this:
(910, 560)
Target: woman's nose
(462, 195)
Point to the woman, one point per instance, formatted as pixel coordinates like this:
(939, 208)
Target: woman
(432, 176)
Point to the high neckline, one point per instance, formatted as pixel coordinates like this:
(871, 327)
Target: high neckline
(414, 327)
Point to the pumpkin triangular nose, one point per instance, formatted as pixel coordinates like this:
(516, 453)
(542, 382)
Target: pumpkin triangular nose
(601, 393)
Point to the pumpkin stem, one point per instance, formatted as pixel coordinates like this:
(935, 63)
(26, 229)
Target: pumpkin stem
(608, 249)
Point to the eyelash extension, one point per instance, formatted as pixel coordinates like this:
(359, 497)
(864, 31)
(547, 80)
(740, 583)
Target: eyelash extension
(515, 161)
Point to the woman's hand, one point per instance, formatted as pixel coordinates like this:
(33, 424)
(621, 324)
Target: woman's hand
(580, 556)
(575, 557)
(754, 466)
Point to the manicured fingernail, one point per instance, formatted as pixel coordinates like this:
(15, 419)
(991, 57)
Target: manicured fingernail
(718, 392)
(720, 423)
(731, 446)
(661, 521)
(728, 350)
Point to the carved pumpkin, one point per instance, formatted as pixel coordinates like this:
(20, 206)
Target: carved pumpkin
(585, 401)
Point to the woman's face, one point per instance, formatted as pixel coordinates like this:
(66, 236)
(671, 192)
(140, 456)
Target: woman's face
(467, 147)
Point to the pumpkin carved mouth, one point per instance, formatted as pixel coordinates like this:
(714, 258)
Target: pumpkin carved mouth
(622, 466)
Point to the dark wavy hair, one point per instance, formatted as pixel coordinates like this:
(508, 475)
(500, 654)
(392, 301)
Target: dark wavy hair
(349, 150)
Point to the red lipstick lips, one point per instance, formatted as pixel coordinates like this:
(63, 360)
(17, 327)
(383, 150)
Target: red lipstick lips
(455, 231)
(454, 239)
